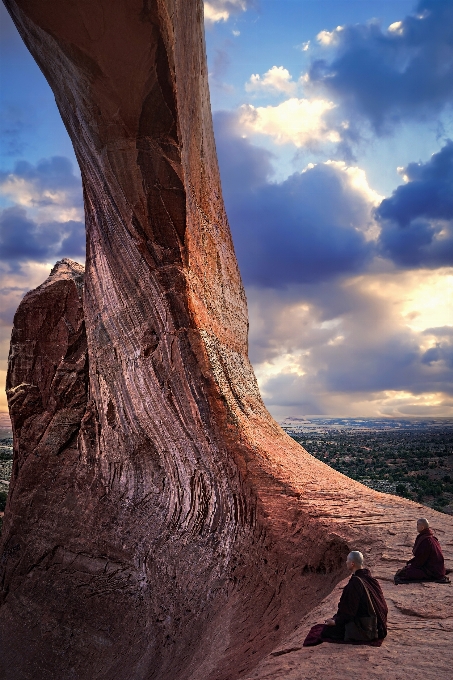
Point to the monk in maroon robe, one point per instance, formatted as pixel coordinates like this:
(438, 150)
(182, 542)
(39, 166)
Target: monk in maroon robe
(427, 563)
(353, 604)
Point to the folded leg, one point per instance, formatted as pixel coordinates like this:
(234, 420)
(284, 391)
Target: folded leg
(410, 573)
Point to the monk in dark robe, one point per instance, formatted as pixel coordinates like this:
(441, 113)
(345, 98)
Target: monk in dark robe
(427, 563)
(354, 603)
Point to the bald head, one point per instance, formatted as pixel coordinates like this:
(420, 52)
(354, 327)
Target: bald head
(355, 560)
(422, 524)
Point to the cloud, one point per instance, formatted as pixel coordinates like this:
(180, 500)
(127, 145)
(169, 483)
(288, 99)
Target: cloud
(441, 350)
(328, 38)
(311, 227)
(277, 80)
(221, 10)
(387, 76)
(302, 122)
(45, 220)
(417, 220)
(342, 348)
(334, 328)
(304, 47)
(23, 240)
(49, 190)
(304, 119)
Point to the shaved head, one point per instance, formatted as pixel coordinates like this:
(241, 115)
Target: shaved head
(356, 557)
(422, 523)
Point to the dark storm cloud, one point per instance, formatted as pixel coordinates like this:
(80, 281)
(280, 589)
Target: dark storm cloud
(439, 353)
(393, 363)
(220, 67)
(417, 220)
(243, 165)
(19, 237)
(440, 331)
(305, 229)
(390, 76)
(22, 240)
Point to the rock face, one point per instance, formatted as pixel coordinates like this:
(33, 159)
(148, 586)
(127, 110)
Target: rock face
(160, 524)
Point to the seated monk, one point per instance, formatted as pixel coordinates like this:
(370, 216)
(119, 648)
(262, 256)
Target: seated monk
(427, 563)
(362, 596)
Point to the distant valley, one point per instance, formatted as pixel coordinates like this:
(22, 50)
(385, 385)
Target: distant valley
(412, 458)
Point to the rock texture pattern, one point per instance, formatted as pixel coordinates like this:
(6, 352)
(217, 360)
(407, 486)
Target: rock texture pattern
(160, 525)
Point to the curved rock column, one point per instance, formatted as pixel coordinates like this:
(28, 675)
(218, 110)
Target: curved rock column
(160, 524)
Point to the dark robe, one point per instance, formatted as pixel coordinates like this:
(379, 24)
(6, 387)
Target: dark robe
(353, 603)
(428, 561)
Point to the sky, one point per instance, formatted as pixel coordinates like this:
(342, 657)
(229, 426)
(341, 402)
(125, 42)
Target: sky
(334, 132)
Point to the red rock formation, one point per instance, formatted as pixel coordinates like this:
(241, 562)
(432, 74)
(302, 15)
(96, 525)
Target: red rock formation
(160, 524)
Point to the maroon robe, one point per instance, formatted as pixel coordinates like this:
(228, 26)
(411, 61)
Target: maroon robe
(428, 561)
(353, 603)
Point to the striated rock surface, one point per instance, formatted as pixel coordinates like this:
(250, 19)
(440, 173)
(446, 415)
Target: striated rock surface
(160, 524)
(48, 368)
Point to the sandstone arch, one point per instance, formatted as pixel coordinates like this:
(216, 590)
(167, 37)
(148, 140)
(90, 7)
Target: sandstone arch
(160, 523)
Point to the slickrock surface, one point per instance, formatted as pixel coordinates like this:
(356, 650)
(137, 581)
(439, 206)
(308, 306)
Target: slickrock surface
(419, 644)
(160, 524)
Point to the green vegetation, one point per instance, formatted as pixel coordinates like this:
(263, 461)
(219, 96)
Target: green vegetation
(415, 464)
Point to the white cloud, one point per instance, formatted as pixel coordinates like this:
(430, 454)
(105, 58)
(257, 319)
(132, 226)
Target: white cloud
(329, 38)
(49, 190)
(42, 204)
(297, 121)
(220, 10)
(397, 28)
(276, 80)
(401, 170)
(424, 298)
(358, 180)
